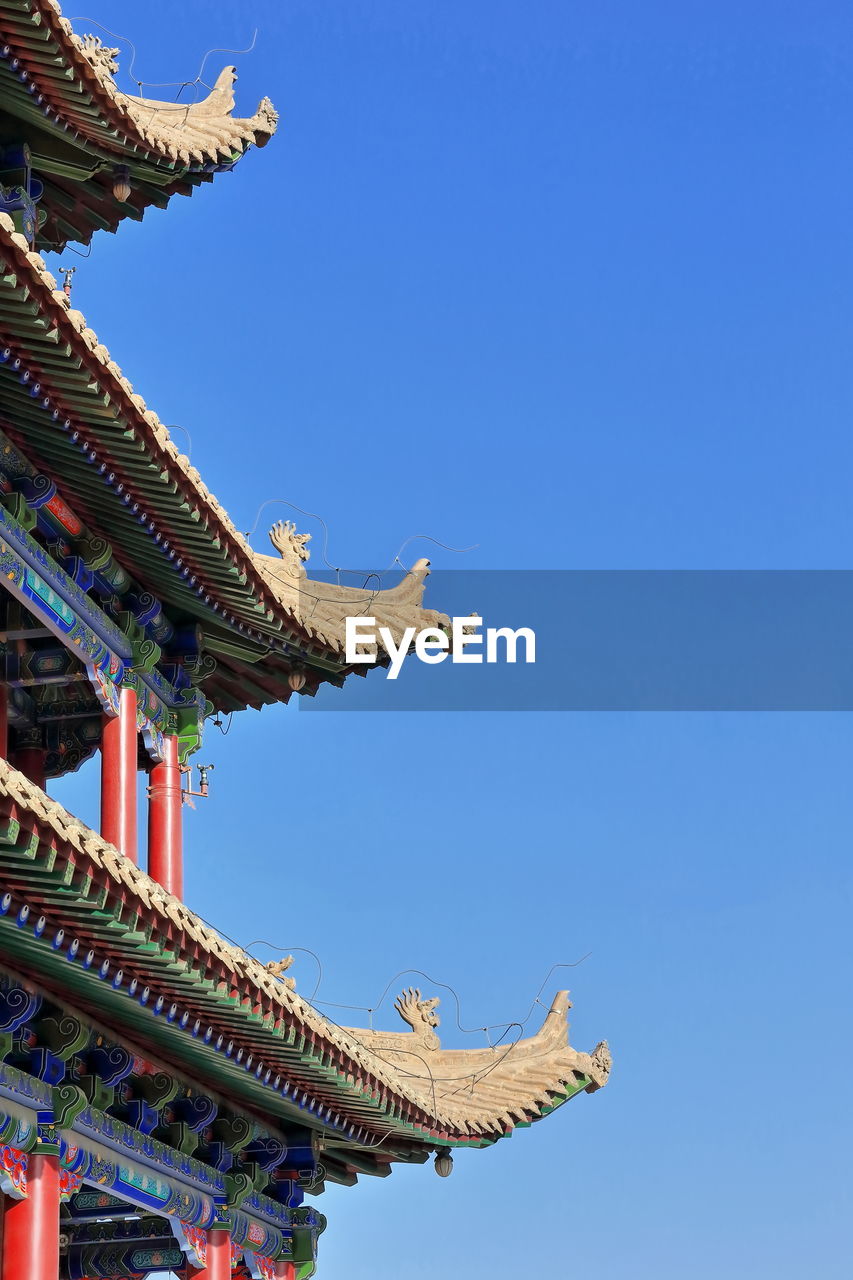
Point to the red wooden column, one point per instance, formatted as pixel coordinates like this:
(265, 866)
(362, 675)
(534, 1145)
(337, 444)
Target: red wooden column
(4, 722)
(218, 1257)
(30, 758)
(285, 1271)
(31, 1226)
(118, 776)
(165, 840)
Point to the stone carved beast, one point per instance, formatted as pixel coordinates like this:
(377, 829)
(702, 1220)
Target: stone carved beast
(420, 1015)
(290, 545)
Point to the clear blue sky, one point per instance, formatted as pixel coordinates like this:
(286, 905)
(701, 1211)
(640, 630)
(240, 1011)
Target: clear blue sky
(572, 282)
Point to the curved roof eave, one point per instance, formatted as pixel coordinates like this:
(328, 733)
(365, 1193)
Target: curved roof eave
(72, 76)
(351, 1083)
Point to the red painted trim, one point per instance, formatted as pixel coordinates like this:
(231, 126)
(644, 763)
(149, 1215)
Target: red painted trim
(118, 776)
(4, 721)
(31, 1226)
(165, 837)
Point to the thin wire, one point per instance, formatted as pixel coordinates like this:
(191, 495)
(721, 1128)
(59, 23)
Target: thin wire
(471, 1078)
(446, 986)
(176, 426)
(262, 942)
(474, 1077)
(504, 1027)
(426, 537)
(188, 84)
(163, 84)
(115, 36)
(295, 584)
(248, 49)
(69, 248)
(553, 968)
(215, 718)
(313, 515)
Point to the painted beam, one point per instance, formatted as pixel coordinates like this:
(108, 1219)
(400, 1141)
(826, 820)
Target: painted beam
(108, 655)
(65, 610)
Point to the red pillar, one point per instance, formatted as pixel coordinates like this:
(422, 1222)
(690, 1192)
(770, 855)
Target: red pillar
(165, 847)
(218, 1257)
(30, 762)
(31, 1226)
(118, 776)
(4, 722)
(285, 1271)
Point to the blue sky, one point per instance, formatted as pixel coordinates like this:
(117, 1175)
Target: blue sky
(573, 283)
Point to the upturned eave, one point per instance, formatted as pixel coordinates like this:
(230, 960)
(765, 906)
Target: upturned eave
(147, 966)
(61, 88)
(71, 409)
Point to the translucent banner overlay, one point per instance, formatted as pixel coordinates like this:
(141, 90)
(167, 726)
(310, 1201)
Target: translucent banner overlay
(624, 640)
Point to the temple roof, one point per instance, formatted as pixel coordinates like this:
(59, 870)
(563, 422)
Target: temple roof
(60, 86)
(155, 973)
(67, 404)
(69, 409)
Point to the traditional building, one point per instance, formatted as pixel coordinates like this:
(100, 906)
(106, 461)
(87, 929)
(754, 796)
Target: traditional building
(166, 1101)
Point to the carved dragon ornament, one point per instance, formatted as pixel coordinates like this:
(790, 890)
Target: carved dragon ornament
(102, 58)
